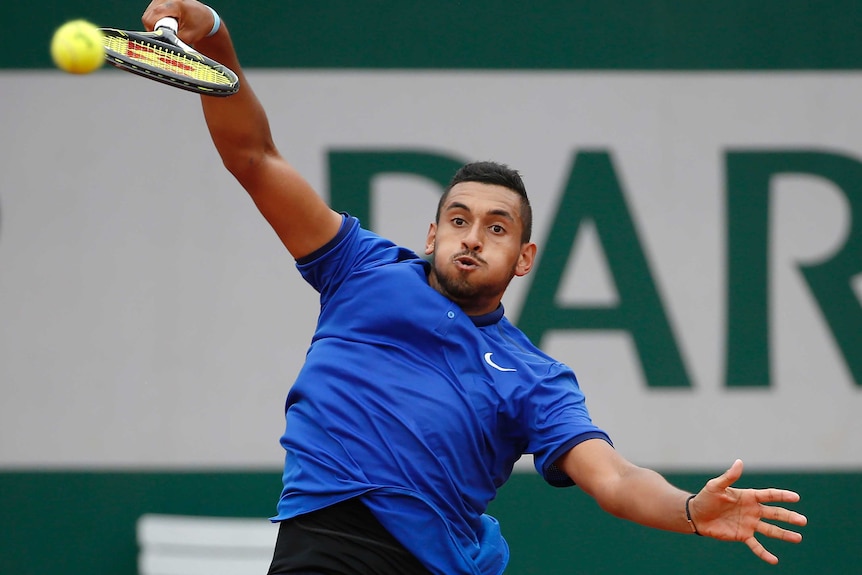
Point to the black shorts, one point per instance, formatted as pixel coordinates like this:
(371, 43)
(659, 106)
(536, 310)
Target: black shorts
(343, 539)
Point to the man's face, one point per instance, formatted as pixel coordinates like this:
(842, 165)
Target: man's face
(477, 246)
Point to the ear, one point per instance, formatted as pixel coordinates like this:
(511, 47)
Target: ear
(526, 259)
(431, 239)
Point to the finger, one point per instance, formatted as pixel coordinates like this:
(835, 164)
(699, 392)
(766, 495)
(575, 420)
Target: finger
(774, 495)
(727, 478)
(761, 551)
(783, 515)
(776, 532)
(154, 12)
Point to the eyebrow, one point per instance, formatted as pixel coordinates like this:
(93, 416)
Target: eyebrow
(498, 212)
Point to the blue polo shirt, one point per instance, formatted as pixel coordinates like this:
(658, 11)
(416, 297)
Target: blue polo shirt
(418, 408)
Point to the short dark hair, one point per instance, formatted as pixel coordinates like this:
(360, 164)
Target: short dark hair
(499, 175)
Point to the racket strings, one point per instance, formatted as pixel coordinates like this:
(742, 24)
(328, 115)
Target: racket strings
(157, 56)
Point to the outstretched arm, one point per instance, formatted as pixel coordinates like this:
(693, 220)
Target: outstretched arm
(240, 131)
(643, 496)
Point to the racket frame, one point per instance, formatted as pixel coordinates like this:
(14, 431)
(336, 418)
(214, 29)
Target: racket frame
(163, 39)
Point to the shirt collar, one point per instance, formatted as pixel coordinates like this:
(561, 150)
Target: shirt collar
(488, 318)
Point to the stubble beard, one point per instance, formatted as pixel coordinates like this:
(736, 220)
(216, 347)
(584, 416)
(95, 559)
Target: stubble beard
(458, 287)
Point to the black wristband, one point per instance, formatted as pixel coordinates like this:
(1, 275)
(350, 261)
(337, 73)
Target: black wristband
(688, 516)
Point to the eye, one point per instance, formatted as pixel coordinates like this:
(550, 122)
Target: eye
(458, 221)
(498, 229)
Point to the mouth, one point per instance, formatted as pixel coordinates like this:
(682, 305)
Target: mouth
(467, 262)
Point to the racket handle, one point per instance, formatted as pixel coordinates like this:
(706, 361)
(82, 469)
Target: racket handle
(172, 25)
(169, 23)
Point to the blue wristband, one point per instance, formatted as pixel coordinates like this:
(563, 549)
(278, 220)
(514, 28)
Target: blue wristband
(216, 22)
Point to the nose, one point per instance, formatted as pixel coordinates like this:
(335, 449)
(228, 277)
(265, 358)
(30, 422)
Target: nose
(473, 239)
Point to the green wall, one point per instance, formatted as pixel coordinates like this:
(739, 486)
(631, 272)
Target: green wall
(499, 34)
(81, 523)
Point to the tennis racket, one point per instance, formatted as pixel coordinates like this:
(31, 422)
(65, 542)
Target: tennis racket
(161, 56)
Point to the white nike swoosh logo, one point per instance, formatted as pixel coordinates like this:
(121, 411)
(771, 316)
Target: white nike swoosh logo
(494, 365)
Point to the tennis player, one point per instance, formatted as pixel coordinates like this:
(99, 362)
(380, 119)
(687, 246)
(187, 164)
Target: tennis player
(418, 396)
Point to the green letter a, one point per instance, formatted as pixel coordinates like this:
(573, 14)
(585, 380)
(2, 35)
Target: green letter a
(593, 193)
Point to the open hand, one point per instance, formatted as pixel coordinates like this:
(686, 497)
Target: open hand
(724, 512)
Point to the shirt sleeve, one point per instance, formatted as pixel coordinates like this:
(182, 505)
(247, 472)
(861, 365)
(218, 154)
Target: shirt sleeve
(321, 267)
(353, 248)
(558, 420)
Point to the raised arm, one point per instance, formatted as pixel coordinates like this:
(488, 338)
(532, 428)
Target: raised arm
(240, 131)
(643, 496)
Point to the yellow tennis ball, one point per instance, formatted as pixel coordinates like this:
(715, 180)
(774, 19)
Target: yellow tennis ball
(77, 47)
